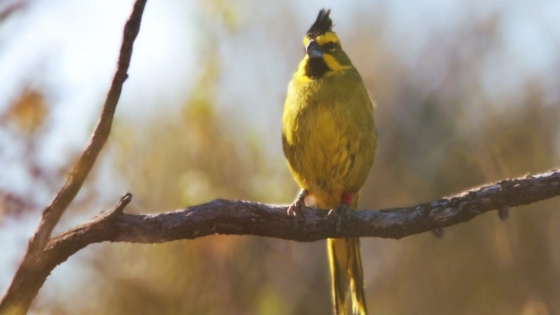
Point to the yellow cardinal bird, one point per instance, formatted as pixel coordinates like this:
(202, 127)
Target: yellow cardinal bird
(329, 140)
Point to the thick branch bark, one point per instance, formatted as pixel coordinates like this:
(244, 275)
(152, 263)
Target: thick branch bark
(251, 218)
(34, 270)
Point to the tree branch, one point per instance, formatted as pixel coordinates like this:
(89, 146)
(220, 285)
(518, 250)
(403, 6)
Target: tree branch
(251, 218)
(31, 273)
(51, 215)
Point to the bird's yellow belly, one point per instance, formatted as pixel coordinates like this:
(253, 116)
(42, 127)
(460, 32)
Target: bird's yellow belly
(331, 156)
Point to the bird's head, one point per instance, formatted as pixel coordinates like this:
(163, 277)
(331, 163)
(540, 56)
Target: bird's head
(323, 52)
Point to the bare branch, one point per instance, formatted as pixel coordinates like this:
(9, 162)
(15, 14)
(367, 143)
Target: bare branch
(51, 215)
(251, 218)
(32, 273)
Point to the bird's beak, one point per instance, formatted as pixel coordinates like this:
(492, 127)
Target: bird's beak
(313, 50)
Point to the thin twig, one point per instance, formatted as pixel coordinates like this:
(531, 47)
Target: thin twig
(31, 273)
(51, 215)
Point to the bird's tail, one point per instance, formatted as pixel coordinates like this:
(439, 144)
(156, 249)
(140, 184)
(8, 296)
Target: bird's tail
(347, 273)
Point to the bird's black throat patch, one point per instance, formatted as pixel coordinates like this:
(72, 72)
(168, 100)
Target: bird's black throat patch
(316, 68)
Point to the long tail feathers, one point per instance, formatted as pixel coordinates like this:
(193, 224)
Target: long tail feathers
(347, 275)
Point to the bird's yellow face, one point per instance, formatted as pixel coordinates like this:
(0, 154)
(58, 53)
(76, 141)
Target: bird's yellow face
(323, 52)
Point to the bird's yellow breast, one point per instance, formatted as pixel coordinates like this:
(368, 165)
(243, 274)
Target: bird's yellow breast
(329, 135)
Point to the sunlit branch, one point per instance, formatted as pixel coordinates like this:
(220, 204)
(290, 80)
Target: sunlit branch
(251, 218)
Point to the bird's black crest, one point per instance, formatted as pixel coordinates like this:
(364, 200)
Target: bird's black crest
(322, 25)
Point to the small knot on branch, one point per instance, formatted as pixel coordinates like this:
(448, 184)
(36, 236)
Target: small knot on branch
(438, 232)
(123, 202)
(503, 213)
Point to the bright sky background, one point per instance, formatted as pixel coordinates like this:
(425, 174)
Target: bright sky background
(68, 49)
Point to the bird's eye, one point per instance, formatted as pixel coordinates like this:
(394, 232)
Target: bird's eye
(330, 46)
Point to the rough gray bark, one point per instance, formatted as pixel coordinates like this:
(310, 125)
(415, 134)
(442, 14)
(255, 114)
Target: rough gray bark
(251, 218)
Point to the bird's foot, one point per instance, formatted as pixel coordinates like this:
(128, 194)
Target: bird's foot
(296, 208)
(339, 212)
(342, 210)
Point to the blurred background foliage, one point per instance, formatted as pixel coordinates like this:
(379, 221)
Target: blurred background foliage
(457, 107)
